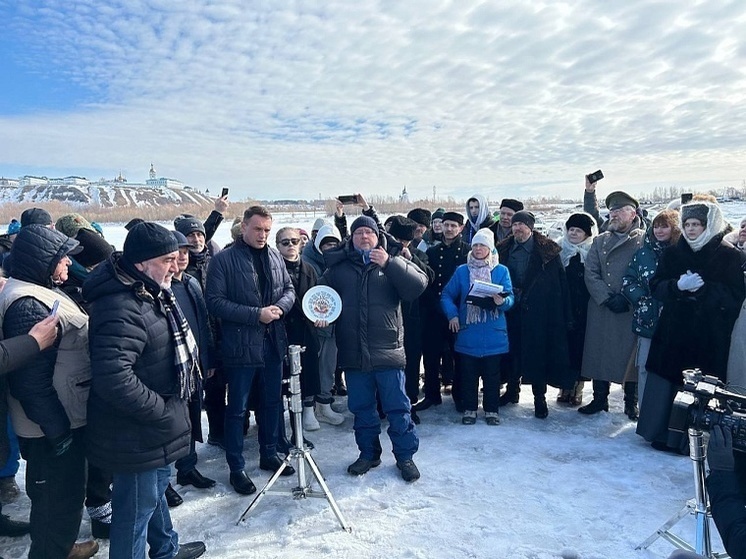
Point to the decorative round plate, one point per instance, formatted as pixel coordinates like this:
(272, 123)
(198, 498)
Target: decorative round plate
(322, 303)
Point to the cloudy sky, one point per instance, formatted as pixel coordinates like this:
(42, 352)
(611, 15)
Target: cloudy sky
(296, 98)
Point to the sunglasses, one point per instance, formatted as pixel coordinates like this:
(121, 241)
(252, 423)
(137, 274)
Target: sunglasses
(288, 242)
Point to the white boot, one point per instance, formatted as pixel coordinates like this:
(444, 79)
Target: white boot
(310, 423)
(326, 414)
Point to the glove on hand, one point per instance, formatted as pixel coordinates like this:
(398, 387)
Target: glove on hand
(617, 303)
(689, 282)
(720, 449)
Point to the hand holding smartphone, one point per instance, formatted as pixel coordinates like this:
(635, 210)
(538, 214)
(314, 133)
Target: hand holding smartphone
(595, 177)
(224, 192)
(55, 306)
(348, 199)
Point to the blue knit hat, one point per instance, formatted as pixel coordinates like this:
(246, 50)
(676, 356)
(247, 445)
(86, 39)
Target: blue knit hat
(14, 226)
(364, 221)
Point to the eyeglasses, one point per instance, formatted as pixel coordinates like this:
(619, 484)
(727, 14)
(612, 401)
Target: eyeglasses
(288, 242)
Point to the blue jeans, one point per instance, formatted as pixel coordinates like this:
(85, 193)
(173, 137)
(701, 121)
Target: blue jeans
(140, 514)
(10, 468)
(269, 384)
(362, 387)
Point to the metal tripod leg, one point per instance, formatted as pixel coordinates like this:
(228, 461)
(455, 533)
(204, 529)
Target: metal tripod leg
(699, 507)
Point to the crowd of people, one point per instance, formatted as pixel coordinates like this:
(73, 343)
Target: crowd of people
(111, 356)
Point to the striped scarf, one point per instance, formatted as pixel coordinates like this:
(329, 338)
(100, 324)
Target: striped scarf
(185, 346)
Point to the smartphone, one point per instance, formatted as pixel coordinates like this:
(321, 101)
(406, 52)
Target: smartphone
(55, 306)
(224, 192)
(595, 177)
(686, 197)
(348, 199)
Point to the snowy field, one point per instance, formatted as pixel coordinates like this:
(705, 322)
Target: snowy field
(570, 486)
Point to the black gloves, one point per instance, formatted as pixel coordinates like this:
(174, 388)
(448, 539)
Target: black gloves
(617, 303)
(486, 303)
(720, 449)
(61, 444)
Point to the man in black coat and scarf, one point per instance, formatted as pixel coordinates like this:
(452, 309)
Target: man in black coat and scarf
(538, 321)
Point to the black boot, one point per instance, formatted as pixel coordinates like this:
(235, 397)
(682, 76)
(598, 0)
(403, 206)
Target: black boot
(511, 395)
(630, 401)
(600, 400)
(541, 410)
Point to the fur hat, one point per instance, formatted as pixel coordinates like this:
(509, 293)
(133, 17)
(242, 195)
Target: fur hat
(94, 248)
(70, 224)
(525, 217)
(581, 221)
(421, 216)
(454, 216)
(514, 205)
(148, 240)
(484, 237)
(402, 228)
(363, 221)
(36, 216)
(694, 211)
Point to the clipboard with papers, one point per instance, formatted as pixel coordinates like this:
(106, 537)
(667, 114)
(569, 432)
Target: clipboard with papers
(485, 289)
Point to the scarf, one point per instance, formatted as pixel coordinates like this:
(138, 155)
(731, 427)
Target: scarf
(715, 225)
(185, 346)
(480, 270)
(569, 250)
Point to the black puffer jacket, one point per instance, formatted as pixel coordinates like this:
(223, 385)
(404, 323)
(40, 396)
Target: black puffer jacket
(136, 420)
(233, 296)
(370, 334)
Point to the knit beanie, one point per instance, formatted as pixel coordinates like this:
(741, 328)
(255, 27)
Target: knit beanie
(189, 225)
(364, 221)
(14, 227)
(132, 222)
(526, 217)
(438, 214)
(148, 240)
(581, 221)
(484, 237)
(95, 248)
(70, 224)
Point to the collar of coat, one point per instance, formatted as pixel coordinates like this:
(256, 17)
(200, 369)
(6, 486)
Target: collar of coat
(545, 247)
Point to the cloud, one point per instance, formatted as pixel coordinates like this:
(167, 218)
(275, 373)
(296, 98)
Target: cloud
(278, 99)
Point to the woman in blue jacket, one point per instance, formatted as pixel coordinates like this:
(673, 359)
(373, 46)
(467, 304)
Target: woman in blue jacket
(479, 324)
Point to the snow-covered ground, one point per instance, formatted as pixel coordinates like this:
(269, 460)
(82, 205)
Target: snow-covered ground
(569, 486)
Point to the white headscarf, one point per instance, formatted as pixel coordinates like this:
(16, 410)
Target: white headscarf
(715, 224)
(569, 249)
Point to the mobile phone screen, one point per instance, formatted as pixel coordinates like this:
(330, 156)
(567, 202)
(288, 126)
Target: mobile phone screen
(56, 306)
(224, 193)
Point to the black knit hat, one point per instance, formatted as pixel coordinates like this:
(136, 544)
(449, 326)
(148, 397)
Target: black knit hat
(525, 217)
(148, 240)
(36, 216)
(364, 221)
(421, 216)
(189, 225)
(181, 240)
(132, 222)
(95, 248)
(514, 205)
(581, 221)
(695, 211)
(438, 214)
(402, 228)
(454, 216)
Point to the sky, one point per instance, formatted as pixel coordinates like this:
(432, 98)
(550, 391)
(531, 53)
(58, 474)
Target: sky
(303, 98)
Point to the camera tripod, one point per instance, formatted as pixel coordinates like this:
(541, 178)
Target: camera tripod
(299, 455)
(699, 507)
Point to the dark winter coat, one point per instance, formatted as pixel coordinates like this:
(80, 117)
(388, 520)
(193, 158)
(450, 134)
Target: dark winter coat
(313, 258)
(728, 505)
(636, 286)
(233, 297)
(300, 330)
(578, 293)
(137, 421)
(694, 328)
(538, 338)
(370, 332)
(443, 260)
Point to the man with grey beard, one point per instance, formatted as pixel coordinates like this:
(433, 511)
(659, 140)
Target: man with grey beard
(609, 339)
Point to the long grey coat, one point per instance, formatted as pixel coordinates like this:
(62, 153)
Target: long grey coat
(609, 339)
